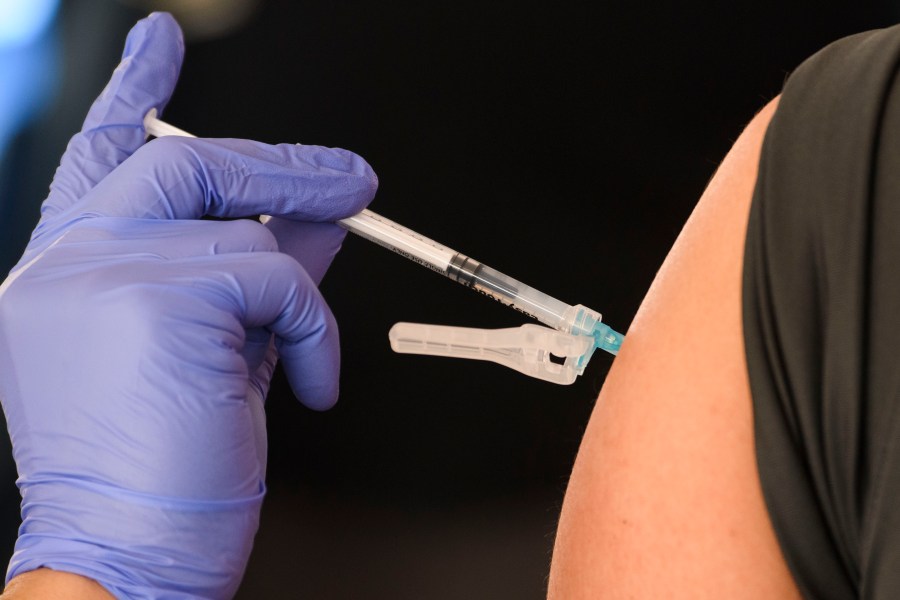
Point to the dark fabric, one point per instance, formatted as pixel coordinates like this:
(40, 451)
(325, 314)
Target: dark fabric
(822, 319)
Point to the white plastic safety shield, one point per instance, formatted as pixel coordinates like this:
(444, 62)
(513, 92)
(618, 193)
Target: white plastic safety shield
(526, 349)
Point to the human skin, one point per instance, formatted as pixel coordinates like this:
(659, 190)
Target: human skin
(54, 585)
(664, 498)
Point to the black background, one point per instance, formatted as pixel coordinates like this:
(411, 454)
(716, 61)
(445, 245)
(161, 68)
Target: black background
(561, 143)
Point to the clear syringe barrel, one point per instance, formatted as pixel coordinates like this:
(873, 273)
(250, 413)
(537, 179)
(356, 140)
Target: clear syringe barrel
(461, 268)
(524, 298)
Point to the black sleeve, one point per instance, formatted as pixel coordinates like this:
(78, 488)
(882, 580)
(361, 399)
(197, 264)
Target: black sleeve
(821, 316)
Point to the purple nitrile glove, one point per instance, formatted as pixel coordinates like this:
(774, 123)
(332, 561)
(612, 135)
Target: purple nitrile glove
(137, 343)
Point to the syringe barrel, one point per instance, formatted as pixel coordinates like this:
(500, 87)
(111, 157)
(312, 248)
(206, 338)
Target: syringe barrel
(524, 298)
(461, 268)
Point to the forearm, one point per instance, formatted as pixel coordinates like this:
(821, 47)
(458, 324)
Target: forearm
(54, 585)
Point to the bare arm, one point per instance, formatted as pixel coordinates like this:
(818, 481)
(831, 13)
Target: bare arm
(664, 498)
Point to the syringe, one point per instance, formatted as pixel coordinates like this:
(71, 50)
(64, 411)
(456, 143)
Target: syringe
(578, 319)
(482, 278)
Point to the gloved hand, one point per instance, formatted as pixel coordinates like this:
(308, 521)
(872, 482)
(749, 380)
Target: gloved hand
(136, 341)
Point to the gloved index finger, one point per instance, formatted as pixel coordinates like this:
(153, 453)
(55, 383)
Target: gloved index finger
(188, 178)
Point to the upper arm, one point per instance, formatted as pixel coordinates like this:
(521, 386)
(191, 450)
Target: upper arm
(664, 497)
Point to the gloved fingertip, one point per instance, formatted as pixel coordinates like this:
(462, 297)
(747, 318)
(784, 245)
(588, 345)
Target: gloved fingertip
(161, 24)
(358, 179)
(318, 400)
(312, 364)
(365, 181)
(315, 388)
(136, 37)
(369, 187)
(314, 379)
(144, 79)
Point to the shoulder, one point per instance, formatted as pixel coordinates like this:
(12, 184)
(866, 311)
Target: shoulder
(664, 497)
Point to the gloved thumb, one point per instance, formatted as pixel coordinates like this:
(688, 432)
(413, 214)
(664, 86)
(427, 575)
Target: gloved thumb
(113, 129)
